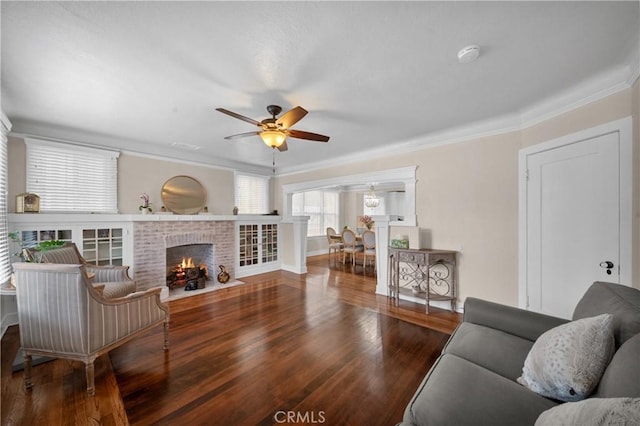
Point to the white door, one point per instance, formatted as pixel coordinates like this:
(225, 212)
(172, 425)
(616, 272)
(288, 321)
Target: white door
(572, 221)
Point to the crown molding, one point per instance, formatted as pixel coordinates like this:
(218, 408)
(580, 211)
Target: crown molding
(585, 93)
(4, 120)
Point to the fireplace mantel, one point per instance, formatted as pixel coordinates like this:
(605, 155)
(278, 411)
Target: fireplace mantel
(77, 218)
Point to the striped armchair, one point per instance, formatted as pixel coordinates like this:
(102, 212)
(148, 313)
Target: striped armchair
(114, 280)
(62, 315)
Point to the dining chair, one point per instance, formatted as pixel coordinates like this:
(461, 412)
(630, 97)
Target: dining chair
(351, 246)
(369, 249)
(335, 243)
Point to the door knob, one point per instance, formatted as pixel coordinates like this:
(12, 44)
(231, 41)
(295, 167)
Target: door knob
(608, 265)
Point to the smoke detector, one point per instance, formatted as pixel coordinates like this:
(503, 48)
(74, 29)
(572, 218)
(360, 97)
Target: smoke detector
(469, 54)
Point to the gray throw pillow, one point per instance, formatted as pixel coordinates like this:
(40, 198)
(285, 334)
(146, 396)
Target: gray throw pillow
(593, 412)
(567, 362)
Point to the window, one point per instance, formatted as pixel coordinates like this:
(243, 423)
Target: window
(5, 263)
(321, 206)
(71, 178)
(252, 194)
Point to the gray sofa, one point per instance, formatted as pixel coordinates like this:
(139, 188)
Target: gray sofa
(473, 382)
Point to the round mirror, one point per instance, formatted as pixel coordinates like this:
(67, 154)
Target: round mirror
(183, 195)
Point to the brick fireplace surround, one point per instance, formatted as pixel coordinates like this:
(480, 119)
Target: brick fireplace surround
(151, 239)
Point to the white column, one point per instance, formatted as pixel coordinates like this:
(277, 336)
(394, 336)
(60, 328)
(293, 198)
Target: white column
(296, 261)
(382, 253)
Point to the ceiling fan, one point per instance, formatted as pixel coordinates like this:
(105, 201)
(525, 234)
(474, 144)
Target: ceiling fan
(275, 131)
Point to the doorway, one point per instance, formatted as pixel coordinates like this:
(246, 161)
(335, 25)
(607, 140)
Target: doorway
(575, 216)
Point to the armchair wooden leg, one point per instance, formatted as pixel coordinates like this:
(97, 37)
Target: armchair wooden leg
(90, 370)
(166, 336)
(28, 383)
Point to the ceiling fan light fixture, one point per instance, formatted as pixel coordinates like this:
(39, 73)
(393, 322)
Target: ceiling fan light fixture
(273, 138)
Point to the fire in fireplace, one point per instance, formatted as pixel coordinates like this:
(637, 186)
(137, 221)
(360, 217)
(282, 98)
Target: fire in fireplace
(188, 275)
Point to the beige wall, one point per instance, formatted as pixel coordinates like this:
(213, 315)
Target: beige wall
(136, 175)
(467, 194)
(17, 158)
(140, 174)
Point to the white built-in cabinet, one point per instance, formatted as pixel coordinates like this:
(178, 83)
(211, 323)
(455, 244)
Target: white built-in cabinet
(100, 243)
(258, 240)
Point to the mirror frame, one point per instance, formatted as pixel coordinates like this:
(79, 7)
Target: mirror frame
(174, 206)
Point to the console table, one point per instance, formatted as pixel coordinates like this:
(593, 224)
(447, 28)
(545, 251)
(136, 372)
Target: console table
(428, 273)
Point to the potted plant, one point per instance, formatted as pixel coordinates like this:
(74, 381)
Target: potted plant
(146, 205)
(367, 221)
(35, 254)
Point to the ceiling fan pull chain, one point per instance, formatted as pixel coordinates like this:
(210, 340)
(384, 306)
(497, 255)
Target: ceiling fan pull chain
(273, 151)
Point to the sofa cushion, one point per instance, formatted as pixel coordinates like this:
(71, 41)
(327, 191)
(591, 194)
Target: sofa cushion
(458, 392)
(116, 289)
(519, 322)
(67, 254)
(495, 350)
(593, 412)
(567, 362)
(622, 376)
(621, 301)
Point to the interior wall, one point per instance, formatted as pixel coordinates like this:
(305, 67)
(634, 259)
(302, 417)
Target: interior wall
(17, 170)
(467, 194)
(138, 174)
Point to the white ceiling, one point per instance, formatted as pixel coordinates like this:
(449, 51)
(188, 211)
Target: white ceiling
(141, 76)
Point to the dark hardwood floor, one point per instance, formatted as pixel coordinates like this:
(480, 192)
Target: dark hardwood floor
(280, 349)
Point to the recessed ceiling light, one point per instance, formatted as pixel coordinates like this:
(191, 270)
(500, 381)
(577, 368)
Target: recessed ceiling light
(469, 54)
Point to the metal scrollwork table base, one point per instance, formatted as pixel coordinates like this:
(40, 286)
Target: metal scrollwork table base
(428, 273)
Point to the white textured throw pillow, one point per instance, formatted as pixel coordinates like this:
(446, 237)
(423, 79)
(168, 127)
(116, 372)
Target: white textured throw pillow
(567, 362)
(593, 412)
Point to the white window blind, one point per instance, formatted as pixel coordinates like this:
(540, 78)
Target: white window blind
(5, 262)
(252, 194)
(72, 178)
(321, 206)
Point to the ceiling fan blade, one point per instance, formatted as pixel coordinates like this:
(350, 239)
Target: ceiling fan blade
(283, 147)
(239, 117)
(242, 135)
(291, 117)
(299, 134)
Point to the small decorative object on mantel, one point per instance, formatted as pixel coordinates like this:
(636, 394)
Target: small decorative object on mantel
(146, 205)
(27, 203)
(235, 211)
(223, 276)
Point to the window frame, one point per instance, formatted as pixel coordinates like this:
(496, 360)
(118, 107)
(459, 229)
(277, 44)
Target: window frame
(5, 255)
